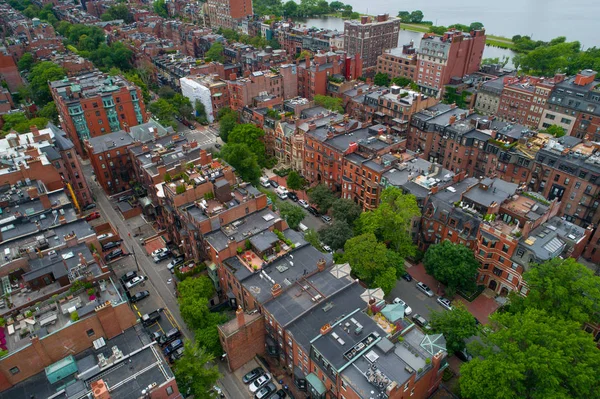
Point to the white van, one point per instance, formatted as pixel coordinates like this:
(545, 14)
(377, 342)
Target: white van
(264, 181)
(302, 227)
(281, 192)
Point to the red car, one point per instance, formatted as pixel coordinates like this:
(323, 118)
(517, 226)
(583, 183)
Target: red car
(92, 216)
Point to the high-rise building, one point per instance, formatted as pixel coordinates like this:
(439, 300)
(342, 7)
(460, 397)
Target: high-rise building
(93, 104)
(370, 37)
(227, 13)
(443, 57)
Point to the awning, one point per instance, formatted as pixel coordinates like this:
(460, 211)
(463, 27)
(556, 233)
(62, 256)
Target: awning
(316, 383)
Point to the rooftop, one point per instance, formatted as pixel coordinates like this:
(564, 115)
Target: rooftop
(89, 85)
(110, 141)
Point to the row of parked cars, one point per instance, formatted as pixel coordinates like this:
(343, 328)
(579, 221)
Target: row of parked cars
(260, 384)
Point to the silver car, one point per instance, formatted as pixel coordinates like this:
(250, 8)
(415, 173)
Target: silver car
(425, 289)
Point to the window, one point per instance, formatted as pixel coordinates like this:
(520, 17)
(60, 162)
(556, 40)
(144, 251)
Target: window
(14, 370)
(497, 271)
(90, 332)
(169, 390)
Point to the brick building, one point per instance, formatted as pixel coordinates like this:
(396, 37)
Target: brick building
(227, 13)
(210, 90)
(454, 54)
(313, 75)
(262, 88)
(574, 105)
(370, 37)
(399, 62)
(94, 104)
(9, 72)
(488, 96)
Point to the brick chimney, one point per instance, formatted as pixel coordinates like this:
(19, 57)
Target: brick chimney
(239, 314)
(276, 290)
(34, 130)
(325, 329)
(452, 119)
(100, 390)
(33, 192)
(82, 260)
(321, 264)
(585, 77)
(312, 126)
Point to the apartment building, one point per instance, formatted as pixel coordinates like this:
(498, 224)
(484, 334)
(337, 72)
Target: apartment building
(227, 14)
(574, 105)
(454, 54)
(370, 37)
(209, 90)
(262, 88)
(314, 75)
(94, 104)
(399, 62)
(487, 101)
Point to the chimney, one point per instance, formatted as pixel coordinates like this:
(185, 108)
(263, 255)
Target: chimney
(364, 19)
(82, 260)
(99, 390)
(33, 192)
(276, 290)
(34, 130)
(321, 264)
(312, 126)
(239, 314)
(452, 119)
(325, 329)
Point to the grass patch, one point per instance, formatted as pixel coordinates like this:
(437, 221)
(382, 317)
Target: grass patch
(415, 27)
(502, 43)
(471, 295)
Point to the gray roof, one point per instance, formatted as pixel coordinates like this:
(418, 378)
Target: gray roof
(60, 138)
(263, 241)
(144, 134)
(497, 191)
(110, 141)
(58, 265)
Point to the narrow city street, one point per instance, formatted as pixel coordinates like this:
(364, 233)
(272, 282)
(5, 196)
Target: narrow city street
(162, 292)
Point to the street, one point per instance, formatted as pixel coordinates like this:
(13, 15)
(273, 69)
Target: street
(162, 292)
(419, 302)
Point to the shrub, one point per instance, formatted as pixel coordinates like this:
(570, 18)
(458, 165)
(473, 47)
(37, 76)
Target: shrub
(2, 322)
(400, 339)
(74, 316)
(277, 248)
(248, 244)
(240, 250)
(91, 291)
(428, 361)
(3, 353)
(180, 189)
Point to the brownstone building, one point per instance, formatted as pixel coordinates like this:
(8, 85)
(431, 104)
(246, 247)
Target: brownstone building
(227, 13)
(399, 62)
(94, 104)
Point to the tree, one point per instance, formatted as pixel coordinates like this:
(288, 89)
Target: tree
(554, 130)
(192, 289)
(292, 214)
(372, 262)
(164, 111)
(562, 288)
(336, 6)
(475, 26)
(392, 220)
(243, 160)
(336, 234)
(401, 81)
(215, 53)
(290, 9)
(160, 7)
(294, 181)
(118, 11)
(26, 62)
(416, 17)
(312, 238)
(532, 355)
(404, 16)
(200, 109)
(191, 372)
(42, 73)
(331, 103)
(252, 136)
(18, 122)
(452, 264)
(381, 79)
(303, 54)
(226, 125)
(322, 197)
(166, 92)
(457, 325)
(49, 112)
(346, 210)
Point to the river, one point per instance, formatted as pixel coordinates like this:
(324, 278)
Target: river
(541, 19)
(405, 36)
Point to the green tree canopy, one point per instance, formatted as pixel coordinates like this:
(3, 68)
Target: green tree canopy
(457, 325)
(49, 112)
(164, 111)
(336, 234)
(532, 355)
(118, 11)
(554, 130)
(292, 214)
(322, 197)
(562, 288)
(26, 62)
(252, 136)
(42, 73)
(215, 53)
(331, 103)
(18, 122)
(392, 220)
(227, 121)
(452, 264)
(381, 79)
(346, 210)
(294, 181)
(192, 374)
(160, 7)
(243, 160)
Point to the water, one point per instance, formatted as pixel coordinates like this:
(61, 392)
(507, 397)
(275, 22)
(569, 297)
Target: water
(404, 37)
(541, 19)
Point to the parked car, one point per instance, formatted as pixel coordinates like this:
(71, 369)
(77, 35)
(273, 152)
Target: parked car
(273, 183)
(326, 219)
(218, 391)
(407, 277)
(173, 346)
(217, 146)
(92, 216)
(169, 337)
(159, 251)
(464, 355)
(424, 289)
(114, 254)
(111, 245)
(128, 276)
(252, 375)
(293, 196)
(421, 321)
(175, 262)
(445, 302)
(150, 318)
(104, 236)
(265, 391)
(89, 206)
(303, 204)
(265, 182)
(161, 256)
(259, 382)
(176, 355)
(278, 395)
(326, 248)
(407, 309)
(139, 296)
(312, 210)
(134, 281)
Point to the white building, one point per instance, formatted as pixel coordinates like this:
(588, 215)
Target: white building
(198, 88)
